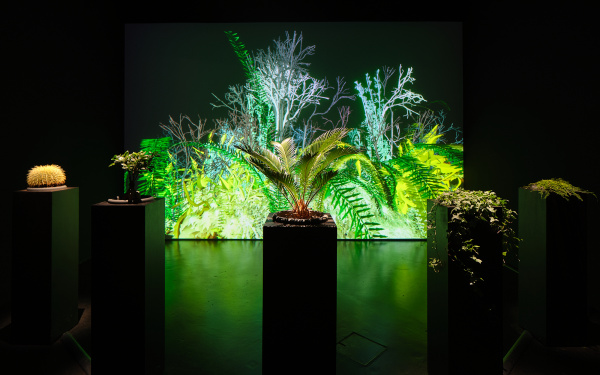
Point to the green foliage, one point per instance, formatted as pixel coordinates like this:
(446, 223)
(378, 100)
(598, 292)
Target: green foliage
(154, 180)
(233, 206)
(300, 176)
(557, 186)
(468, 207)
(256, 100)
(224, 186)
(242, 53)
(348, 204)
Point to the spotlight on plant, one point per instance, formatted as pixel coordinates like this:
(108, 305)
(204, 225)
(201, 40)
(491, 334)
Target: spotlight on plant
(44, 176)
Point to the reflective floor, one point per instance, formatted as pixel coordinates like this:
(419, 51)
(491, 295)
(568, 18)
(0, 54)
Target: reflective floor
(214, 313)
(214, 307)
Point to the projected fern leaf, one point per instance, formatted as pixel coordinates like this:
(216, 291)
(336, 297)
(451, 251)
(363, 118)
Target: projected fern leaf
(154, 180)
(453, 153)
(349, 204)
(242, 53)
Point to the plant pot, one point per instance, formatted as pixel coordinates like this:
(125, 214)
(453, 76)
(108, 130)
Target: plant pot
(553, 274)
(287, 217)
(464, 325)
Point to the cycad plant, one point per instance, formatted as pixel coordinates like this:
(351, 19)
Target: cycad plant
(299, 175)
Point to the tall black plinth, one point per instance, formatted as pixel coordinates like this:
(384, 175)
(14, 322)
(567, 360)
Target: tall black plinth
(553, 275)
(128, 287)
(299, 297)
(45, 265)
(464, 324)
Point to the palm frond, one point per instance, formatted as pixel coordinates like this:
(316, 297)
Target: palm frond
(326, 141)
(287, 154)
(319, 182)
(265, 159)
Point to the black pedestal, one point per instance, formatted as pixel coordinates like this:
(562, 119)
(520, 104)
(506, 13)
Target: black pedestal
(552, 268)
(45, 261)
(464, 324)
(299, 298)
(128, 287)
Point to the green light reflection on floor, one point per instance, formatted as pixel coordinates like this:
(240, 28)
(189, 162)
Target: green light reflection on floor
(214, 305)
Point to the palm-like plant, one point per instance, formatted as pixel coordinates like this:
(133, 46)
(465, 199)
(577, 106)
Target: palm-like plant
(300, 175)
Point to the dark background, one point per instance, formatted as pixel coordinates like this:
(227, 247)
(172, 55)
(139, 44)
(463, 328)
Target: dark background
(530, 89)
(175, 68)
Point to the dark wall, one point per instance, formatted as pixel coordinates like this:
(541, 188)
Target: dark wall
(62, 104)
(531, 81)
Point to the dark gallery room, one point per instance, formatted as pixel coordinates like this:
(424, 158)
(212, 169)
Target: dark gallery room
(232, 186)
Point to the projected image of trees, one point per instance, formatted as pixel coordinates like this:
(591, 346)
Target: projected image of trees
(407, 152)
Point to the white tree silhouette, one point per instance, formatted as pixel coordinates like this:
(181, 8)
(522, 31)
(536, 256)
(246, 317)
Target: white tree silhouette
(283, 76)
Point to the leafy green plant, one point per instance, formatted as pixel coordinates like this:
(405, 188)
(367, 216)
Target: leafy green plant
(468, 207)
(557, 186)
(299, 177)
(133, 163)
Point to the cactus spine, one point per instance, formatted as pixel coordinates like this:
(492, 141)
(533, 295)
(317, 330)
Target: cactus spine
(46, 176)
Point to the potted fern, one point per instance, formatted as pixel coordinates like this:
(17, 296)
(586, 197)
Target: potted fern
(469, 233)
(299, 252)
(553, 272)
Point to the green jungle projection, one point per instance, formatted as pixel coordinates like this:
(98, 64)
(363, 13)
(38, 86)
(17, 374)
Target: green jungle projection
(408, 150)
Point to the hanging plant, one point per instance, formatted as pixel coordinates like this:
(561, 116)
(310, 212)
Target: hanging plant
(468, 208)
(557, 186)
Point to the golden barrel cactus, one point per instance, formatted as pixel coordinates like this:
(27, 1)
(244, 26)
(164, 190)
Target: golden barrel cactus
(46, 176)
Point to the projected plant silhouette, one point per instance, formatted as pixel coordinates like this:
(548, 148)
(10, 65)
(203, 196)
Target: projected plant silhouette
(277, 149)
(383, 130)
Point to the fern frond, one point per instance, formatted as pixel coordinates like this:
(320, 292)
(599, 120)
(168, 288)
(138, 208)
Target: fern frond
(241, 52)
(349, 204)
(153, 180)
(378, 187)
(429, 186)
(453, 154)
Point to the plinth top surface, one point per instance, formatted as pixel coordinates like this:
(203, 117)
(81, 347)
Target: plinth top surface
(49, 191)
(142, 204)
